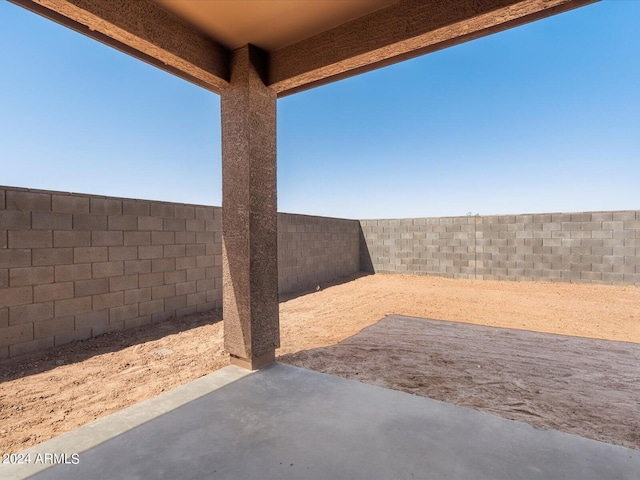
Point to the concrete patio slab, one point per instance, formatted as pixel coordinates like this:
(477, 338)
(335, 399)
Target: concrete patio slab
(284, 422)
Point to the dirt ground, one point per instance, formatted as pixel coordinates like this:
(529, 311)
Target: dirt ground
(582, 386)
(42, 396)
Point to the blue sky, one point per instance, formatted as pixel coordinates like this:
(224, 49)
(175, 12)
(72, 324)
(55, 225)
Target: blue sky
(541, 118)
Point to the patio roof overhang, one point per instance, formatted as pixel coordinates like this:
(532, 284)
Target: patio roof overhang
(251, 52)
(309, 43)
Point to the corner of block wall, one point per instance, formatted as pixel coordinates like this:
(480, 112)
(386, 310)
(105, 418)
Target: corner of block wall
(165, 258)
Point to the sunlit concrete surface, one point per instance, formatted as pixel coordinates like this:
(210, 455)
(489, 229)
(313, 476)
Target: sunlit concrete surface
(284, 422)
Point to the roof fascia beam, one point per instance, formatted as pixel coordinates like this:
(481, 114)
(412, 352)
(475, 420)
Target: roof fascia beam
(404, 30)
(145, 31)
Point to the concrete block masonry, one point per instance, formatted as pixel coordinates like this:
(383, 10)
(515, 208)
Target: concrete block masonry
(587, 247)
(74, 266)
(312, 250)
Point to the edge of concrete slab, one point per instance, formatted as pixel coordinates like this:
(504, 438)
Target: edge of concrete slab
(92, 434)
(314, 386)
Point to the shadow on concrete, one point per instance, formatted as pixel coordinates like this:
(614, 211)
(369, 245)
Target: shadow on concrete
(80, 350)
(581, 386)
(287, 423)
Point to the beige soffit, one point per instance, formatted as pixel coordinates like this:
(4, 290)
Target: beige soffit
(307, 42)
(268, 24)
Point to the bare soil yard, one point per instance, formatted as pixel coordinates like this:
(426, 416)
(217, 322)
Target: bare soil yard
(44, 395)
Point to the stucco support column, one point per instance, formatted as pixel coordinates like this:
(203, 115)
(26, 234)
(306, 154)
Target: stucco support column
(249, 212)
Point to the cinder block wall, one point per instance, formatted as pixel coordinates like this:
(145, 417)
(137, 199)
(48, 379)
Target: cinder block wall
(74, 266)
(593, 247)
(312, 250)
